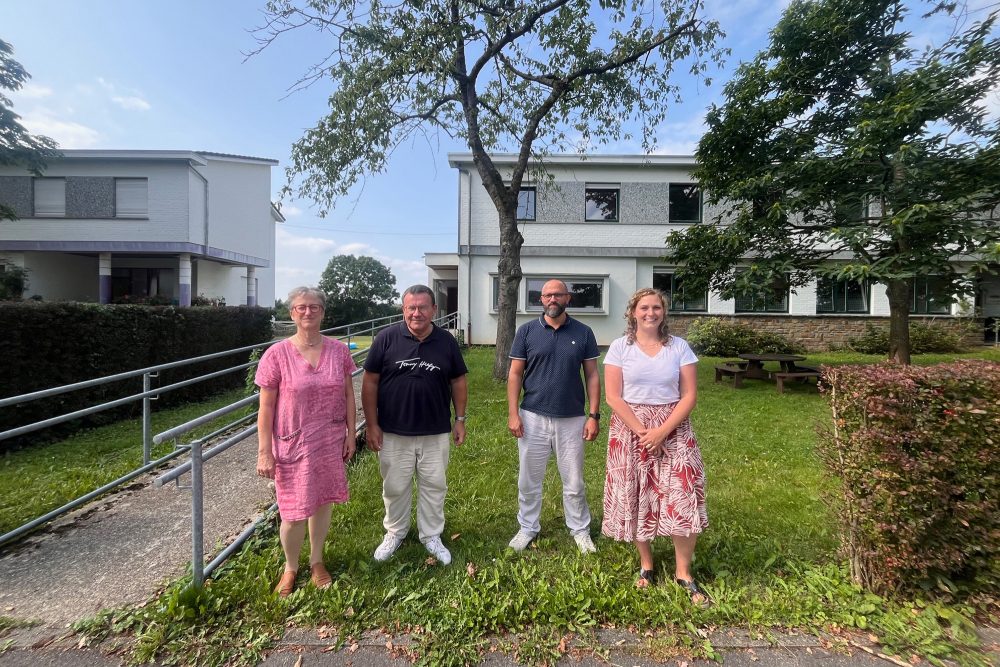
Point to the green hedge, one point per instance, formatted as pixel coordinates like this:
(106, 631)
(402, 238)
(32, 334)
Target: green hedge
(715, 337)
(924, 338)
(917, 450)
(46, 345)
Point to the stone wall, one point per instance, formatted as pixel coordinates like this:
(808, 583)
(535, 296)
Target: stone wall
(820, 333)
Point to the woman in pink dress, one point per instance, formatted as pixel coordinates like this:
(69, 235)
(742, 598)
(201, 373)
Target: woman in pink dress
(306, 431)
(655, 481)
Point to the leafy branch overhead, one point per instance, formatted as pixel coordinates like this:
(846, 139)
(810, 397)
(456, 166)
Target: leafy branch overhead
(841, 150)
(525, 78)
(17, 146)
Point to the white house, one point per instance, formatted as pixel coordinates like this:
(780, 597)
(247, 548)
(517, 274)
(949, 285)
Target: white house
(600, 224)
(100, 225)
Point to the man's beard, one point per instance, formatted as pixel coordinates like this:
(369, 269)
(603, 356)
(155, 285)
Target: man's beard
(555, 310)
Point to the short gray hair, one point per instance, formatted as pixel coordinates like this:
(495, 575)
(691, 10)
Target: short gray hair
(314, 292)
(414, 290)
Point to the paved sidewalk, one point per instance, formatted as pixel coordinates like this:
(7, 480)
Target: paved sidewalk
(122, 548)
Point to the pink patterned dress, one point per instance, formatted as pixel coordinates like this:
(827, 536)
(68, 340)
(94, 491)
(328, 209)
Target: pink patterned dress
(310, 425)
(653, 495)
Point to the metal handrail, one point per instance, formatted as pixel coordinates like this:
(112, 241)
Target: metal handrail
(149, 394)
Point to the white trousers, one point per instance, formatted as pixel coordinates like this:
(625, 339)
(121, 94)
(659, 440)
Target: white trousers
(402, 456)
(543, 436)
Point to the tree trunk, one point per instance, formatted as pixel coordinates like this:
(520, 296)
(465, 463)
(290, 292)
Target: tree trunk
(509, 268)
(899, 320)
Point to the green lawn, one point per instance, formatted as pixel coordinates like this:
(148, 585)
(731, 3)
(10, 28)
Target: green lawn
(37, 480)
(769, 557)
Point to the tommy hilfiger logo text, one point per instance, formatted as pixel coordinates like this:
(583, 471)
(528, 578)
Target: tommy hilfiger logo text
(417, 364)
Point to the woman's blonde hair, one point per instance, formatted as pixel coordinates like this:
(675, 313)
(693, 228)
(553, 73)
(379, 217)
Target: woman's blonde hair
(630, 327)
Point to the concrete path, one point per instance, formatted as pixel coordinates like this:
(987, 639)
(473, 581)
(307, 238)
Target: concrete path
(122, 548)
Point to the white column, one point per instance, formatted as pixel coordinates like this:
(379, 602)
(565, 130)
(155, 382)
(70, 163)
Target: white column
(251, 286)
(104, 277)
(184, 279)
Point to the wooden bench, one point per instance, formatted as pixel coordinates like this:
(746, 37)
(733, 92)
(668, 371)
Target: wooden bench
(736, 371)
(802, 373)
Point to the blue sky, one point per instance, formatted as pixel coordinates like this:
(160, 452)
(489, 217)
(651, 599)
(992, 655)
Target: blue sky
(172, 75)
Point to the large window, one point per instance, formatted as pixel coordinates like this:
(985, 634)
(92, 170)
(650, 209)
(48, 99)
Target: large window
(587, 293)
(680, 301)
(931, 296)
(131, 197)
(601, 203)
(773, 300)
(50, 197)
(842, 296)
(526, 204)
(685, 203)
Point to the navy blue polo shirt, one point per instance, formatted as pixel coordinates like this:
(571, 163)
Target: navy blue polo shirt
(553, 385)
(414, 385)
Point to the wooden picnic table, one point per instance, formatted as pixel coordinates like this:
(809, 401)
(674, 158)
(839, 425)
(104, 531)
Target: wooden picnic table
(755, 363)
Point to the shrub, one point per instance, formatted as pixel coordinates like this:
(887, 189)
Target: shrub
(13, 282)
(917, 450)
(924, 338)
(715, 337)
(51, 344)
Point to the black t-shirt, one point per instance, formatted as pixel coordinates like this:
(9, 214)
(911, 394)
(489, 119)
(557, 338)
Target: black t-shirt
(414, 387)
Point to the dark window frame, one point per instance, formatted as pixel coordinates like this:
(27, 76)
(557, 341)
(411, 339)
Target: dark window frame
(765, 305)
(528, 190)
(921, 288)
(675, 305)
(839, 297)
(670, 204)
(600, 188)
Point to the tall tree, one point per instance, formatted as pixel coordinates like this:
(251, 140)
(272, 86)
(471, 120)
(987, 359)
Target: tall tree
(531, 77)
(17, 146)
(357, 289)
(842, 152)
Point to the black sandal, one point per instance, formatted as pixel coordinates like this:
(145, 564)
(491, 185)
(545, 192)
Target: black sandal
(647, 576)
(692, 590)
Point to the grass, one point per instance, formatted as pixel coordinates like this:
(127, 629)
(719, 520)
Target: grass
(769, 557)
(67, 469)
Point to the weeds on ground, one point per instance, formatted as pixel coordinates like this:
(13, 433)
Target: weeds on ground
(768, 559)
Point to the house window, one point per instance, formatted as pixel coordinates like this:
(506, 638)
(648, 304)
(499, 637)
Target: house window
(931, 296)
(773, 300)
(684, 204)
(842, 296)
(601, 203)
(50, 197)
(526, 204)
(131, 197)
(495, 290)
(587, 293)
(671, 285)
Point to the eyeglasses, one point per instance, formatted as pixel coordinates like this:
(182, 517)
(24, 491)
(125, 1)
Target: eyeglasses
(554, 295)
(303, 307)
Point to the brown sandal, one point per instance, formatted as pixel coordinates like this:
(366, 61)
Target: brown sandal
(320, 577)
(286, 584)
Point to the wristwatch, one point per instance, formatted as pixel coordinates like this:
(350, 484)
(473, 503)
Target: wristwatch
(460, 418)
(594, 415)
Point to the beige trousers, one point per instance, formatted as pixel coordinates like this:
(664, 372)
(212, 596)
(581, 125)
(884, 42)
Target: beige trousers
(401, 457)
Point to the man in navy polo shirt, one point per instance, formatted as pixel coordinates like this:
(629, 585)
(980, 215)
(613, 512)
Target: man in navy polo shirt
(545, 360)
(413, 373)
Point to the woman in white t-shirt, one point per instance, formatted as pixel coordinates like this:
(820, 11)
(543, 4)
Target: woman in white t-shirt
(655, 483)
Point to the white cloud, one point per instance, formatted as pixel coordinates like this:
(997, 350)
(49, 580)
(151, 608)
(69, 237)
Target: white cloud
(291, 211)
(131, 103)
(33, 91)
(286, 240)
(680, 138)
(356, 249)
(68, 134)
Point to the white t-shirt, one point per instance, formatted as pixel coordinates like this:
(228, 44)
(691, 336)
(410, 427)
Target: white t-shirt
(650, 380)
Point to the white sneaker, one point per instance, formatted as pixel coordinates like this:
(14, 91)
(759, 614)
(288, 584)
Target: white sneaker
(520, 541)
(437, 549)
(585, 543)
(388, 547)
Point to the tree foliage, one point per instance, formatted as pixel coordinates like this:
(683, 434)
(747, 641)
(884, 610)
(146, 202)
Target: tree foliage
(17, 146)
(841, 151)
(530, 77)
(357, 289)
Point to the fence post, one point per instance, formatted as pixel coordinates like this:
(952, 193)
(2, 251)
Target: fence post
(147, 421)
(197, 517)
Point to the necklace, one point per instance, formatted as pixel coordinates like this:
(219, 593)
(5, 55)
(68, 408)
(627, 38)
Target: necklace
(307, 343)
